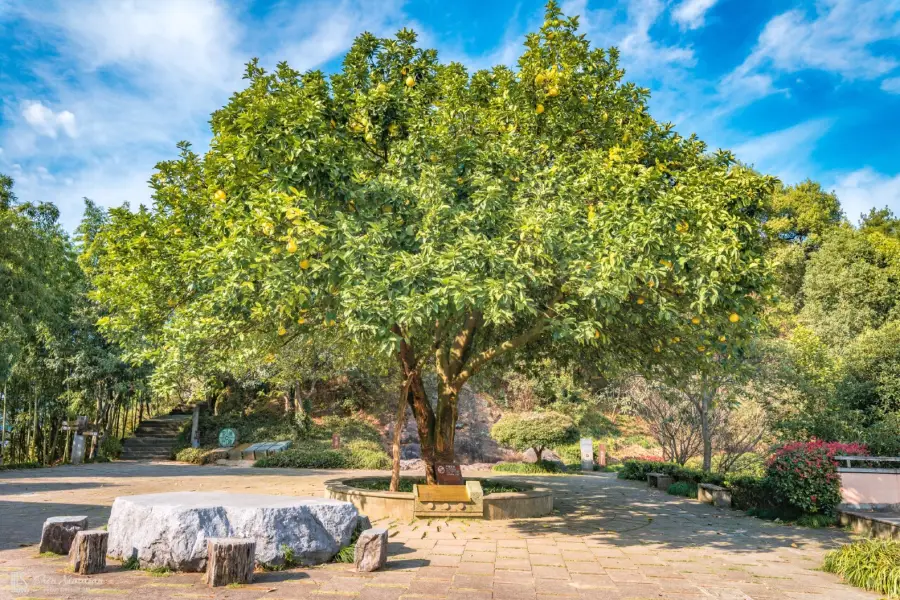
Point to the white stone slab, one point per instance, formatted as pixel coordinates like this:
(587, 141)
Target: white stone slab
(170, 530)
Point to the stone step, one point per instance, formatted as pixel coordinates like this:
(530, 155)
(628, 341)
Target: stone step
(146, 441)
(146, 454)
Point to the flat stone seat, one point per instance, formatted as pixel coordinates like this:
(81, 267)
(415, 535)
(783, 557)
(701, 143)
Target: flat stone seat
(659, 480)
(171, 530)
(714, 494)
(263, 449)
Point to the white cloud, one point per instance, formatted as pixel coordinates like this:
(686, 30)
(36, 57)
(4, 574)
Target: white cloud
(642, 56)
(891, 85)
(785, 153)
(840, 38)
(691, 14)
(865, 189)
(140, 76)
(46, 122)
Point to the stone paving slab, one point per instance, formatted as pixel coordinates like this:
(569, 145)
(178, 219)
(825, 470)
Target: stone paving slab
(607, 539)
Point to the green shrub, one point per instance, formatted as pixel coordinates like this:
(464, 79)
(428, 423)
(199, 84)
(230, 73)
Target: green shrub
(637, 470)
(750, 493)
(111, 447)
(804, 475)
(365, 454)
(569, 453)
(683, 488)
(539, 468)
(305, 458)
(22, 465)
(198, 456)
(535, 430)
(873, 565)
(317, 454)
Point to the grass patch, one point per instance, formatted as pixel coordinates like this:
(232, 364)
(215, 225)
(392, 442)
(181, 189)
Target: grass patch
(539, 468)
(816, 521)
(873, 565)
(131, 564)
(22, 465)
(290, 560)
(159, 571)
(683, 488)
(406, 485)
(50, 555)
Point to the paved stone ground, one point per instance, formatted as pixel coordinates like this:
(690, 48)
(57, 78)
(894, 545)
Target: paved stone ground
(608, 539)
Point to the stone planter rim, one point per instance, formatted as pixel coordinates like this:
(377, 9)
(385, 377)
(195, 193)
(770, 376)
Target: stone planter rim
(344, 484)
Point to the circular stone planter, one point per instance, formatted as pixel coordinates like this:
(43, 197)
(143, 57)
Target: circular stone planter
(536, 502)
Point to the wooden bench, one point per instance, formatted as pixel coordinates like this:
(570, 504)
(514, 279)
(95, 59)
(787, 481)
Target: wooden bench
(659, 480)
(714, 494)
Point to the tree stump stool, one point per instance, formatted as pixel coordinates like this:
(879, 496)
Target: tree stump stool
(88, 553)
(229, 560)
(58, 533)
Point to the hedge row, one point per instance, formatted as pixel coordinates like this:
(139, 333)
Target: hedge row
(358, 454)
(637, 470)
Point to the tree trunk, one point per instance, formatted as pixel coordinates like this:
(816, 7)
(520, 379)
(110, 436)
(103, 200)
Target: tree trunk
(705, 432)
(445, 424)
(538, 451)
(399, 425)
(3, 430)
(32, 452)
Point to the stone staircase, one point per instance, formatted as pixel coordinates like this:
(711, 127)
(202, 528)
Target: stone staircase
(155, 438)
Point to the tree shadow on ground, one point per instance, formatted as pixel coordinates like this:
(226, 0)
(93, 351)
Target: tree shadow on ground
(21, 522)
(600, 508)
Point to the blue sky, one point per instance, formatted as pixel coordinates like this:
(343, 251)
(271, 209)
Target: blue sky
(94, 92)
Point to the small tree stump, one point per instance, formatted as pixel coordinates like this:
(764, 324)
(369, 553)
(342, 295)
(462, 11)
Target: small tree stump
(229, 560)
(58, 533)
(88, 553)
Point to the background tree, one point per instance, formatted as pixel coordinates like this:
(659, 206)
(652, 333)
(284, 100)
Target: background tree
(535, 430)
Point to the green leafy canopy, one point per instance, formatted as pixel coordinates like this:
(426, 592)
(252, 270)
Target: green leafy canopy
(468, 214)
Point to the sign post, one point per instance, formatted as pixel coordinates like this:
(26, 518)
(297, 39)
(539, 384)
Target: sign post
(601, 455)
(587, 454)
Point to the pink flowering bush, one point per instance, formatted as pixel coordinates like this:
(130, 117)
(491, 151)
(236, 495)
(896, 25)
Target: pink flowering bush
(803, 475)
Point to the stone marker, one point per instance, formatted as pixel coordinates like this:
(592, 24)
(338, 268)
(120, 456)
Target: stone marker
(371, 550)
(587, 454)
(170, 530)
(88, 553)
(230, 560)
(335, 441)
(78, 448)
(659, 480)
(601, 455)
(58, 533)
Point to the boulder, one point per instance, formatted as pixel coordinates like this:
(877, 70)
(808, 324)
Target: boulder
(410, 451)
(547, 455)
(371, 550)
(59, 532)
(171, 530)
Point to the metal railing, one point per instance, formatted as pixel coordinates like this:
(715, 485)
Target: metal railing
(869, 459)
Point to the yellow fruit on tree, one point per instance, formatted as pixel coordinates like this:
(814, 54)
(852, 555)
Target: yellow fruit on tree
(539, 108)
(291, 246)
(657, 349)
(220, 196)
(539, 79)
(304, 264)
(554, 91)
(734, 317)
(282, 330)
(701, 348)
(682, 227)
(695, 320)
(675, 340)
(640, 300)
(301, 321)
(596, 333)
(410, 81)
(722, 338)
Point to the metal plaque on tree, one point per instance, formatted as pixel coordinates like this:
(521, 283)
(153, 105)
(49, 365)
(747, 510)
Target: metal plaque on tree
(448, 474)
(227, 438)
